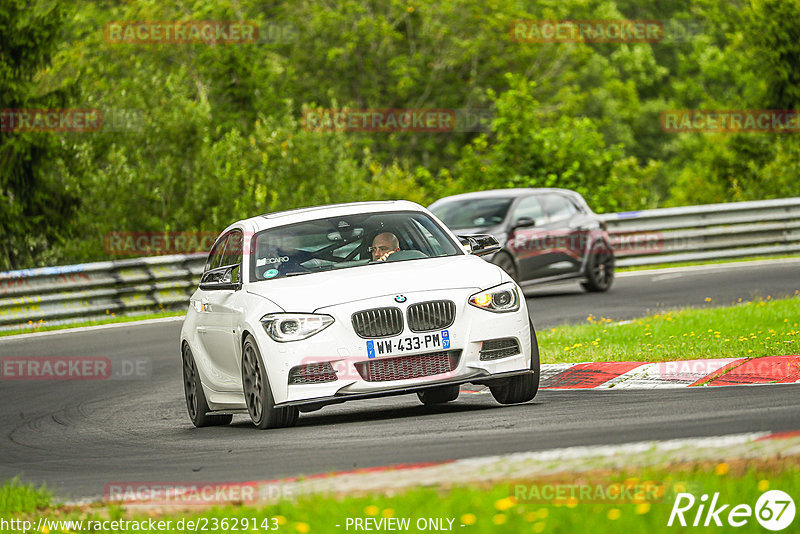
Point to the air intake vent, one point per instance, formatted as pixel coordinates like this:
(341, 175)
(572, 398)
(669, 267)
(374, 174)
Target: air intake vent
(406, 367)
(378, 322)
(495, 349)
(429, 316)
(312, 373)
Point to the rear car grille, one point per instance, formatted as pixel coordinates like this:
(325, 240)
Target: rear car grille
(312, 373)
(429, 316)
(378, 322)
(499, 348)
(405, 367)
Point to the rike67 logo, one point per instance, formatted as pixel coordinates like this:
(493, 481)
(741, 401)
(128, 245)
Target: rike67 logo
(774, 510)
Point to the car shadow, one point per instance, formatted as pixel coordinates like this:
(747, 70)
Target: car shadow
(365, 414)
(556, 289)
(540, 293)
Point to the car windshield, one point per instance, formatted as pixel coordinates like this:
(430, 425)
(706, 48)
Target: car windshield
(472, 213)
(345, 242)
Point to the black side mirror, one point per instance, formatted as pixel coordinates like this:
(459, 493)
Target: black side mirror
(524, 222)
(221, 278)
(480, 244)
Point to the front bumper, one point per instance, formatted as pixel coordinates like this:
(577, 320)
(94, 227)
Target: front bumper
(345, 351)
(482, 378)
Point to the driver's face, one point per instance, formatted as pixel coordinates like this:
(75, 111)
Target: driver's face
(380, 246)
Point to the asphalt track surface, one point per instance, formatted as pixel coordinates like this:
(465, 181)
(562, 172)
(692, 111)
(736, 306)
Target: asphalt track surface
(637, 293)
(78, 436)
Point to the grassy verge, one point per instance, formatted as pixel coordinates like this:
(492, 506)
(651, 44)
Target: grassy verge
(703, 262)
(44, 327)
(758, 328)
(636, 500)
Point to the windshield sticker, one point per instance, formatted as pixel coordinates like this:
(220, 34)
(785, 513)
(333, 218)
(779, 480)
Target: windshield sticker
(260, 262)
(277, 259)
(270, 273)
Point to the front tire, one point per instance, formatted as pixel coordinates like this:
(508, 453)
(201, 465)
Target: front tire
(522, 388)
(599, 269)
(505, 262)
(257, 393)
(196, 403)
(438, 395)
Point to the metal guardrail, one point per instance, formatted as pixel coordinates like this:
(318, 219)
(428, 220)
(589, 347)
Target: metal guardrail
(90, 291)
(709, 232)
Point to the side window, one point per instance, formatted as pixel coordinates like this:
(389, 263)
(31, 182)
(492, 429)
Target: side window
(578, 207)
(529, 207)
(233, 254)
(433, 245)
(233, 250)
(215, 256)
(558, 208)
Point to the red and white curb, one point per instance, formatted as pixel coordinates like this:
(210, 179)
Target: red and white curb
(675, 374)
(683, 373)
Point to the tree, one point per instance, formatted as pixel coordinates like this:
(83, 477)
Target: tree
(530, 147)
(35, 205)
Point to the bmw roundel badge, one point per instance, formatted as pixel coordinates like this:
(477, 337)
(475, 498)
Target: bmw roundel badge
(400, 298)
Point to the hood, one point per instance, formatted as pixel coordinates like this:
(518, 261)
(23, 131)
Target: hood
(309, 292)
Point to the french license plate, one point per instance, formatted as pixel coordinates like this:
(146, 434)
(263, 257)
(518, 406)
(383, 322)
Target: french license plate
(399, 345)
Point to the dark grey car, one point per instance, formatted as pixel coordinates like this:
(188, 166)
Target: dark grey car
(546, 234)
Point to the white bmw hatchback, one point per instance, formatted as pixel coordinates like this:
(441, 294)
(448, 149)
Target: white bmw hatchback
(304, 308)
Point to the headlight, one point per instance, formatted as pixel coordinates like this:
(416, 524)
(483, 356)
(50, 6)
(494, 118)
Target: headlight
(284, 327)
(503, 298)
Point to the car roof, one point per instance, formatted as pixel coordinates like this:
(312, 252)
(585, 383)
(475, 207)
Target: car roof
(282, 218)
(508, 193)
(515, 192)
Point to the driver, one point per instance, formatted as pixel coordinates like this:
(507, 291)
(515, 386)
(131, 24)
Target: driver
(383, 246)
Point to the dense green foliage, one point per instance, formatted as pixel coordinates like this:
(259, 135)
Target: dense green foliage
(199, 135)
(35, 203)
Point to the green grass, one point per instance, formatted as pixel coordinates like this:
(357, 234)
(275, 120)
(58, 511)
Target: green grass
(44, 327)
(703, 262)
(22, 499)
(749, 329)
(501, 507)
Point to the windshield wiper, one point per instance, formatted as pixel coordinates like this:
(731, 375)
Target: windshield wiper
(317, 270)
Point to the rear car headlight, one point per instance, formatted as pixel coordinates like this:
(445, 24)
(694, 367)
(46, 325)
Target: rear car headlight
(503, 298)
(285, 327)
